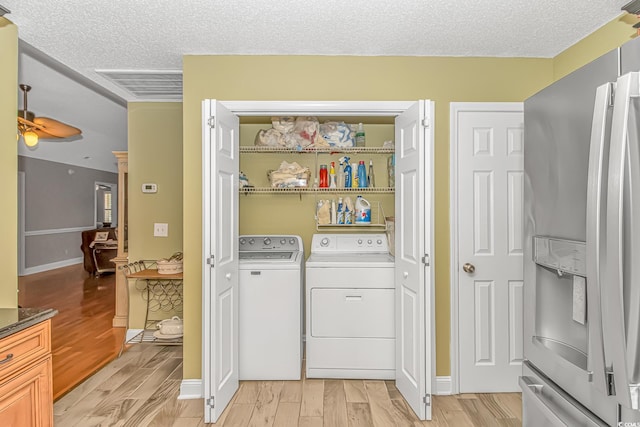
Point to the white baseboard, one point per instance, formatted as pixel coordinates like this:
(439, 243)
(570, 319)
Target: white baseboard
(190, 389)
(443, 386)
(131, 333)
(52, 266)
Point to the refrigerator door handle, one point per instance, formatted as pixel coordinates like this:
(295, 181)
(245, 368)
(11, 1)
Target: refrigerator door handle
(621, 348)
(596, 218)
(532, 392)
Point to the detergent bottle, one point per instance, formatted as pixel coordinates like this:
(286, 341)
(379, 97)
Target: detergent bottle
(362, 175)
(347, 172)
(341, 175)
(363, 211)
(332, 176)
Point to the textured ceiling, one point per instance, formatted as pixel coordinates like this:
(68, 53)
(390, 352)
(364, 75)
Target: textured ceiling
(65, 42)
(154, 35)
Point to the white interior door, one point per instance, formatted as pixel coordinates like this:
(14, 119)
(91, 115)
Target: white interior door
(413, 273)
(489, 268)
(220, 248)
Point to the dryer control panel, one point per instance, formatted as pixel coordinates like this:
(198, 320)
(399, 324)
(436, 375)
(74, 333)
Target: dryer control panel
(350, 243)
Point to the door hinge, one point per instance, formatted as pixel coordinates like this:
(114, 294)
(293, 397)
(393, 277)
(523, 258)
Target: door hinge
(611, 386)
(211, 260)
(427, 400)
(212, 122)
(425, 123)
(425, 260)
(612, 94)
(211, 402)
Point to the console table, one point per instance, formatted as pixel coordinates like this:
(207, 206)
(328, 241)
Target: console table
(163, 294)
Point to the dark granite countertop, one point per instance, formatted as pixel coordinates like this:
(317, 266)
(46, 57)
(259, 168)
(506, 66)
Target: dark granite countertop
(14, 320)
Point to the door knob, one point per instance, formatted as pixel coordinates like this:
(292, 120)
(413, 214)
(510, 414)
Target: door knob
(469, 268)
(228, 276)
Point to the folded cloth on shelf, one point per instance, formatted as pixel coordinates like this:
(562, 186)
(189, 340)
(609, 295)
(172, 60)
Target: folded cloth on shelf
(270, 138)
(324, 212)
(337, 134)
(289, 175)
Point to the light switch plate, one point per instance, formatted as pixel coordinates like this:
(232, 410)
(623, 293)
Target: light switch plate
(160, 229)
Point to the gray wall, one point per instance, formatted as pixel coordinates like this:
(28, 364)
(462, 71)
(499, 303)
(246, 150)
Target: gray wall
(58, 205)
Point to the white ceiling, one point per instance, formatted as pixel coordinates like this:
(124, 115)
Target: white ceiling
(148, 35)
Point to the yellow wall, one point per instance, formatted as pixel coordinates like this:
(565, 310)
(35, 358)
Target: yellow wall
(9, 163)
(443, 80)
(601, 41)
(155, 156)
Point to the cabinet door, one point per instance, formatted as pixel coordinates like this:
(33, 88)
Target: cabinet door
(26, 399)
(220, 239)
(414, 243)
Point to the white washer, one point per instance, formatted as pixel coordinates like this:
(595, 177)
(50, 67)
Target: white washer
(270, 307)
(350, 306)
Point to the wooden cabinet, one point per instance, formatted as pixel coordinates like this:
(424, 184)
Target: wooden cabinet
(26, 388)
(120, 320)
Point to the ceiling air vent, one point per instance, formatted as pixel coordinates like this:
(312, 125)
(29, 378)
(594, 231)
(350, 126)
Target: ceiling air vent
(147, 84)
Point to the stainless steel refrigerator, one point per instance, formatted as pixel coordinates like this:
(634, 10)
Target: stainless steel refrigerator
(582, 246)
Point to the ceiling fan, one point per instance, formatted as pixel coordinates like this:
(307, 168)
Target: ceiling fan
(32, 128)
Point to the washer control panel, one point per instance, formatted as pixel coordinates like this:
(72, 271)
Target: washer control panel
(350, 243)
(256, 243)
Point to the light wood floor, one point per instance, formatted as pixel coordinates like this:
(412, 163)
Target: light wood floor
(141, 389)
(82, 338)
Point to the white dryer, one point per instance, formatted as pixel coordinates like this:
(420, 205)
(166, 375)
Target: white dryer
(350, 294)
(271, 274)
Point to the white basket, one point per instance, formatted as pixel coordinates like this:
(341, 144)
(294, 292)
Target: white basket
(169, 267)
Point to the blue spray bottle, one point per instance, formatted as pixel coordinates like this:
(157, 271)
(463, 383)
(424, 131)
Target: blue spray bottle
(347, 171)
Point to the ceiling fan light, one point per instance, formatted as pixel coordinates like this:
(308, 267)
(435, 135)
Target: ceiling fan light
(30, 138)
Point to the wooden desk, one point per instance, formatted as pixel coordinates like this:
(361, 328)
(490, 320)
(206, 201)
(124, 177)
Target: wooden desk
(163, 293)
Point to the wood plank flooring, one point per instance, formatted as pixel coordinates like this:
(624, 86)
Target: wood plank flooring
(82, 337)
(141, 389)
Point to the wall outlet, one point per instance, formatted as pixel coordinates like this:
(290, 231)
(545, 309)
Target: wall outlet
(160, 229)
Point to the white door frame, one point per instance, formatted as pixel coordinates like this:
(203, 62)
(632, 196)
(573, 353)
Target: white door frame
(299, 108)
(455, 109)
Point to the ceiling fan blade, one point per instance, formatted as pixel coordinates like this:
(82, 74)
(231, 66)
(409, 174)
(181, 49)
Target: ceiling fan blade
(51, 128)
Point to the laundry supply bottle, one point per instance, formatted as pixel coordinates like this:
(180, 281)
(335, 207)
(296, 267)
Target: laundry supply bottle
(334, 214)
(324, 177)
(371, 178)
(360, 138)
(363, 210)
(347, 173)
(340, 212)
(341, 175)
(348, 218)
(362, 175)
(332, 175)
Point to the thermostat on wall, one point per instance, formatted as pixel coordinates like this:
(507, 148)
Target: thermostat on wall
(149, 188)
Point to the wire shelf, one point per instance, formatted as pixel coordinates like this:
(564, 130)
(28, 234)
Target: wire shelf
(313, 150)
(296, 190)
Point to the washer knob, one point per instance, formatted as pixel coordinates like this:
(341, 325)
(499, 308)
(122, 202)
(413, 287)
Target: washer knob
(379, 241)
(243, 241)
(251, 241)
(359, 241)
(283, 241)
(292, 241)
(324, 242)
(369, 241)
(267, 241)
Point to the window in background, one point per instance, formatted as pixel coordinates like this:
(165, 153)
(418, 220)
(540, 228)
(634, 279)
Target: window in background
(107, 208)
